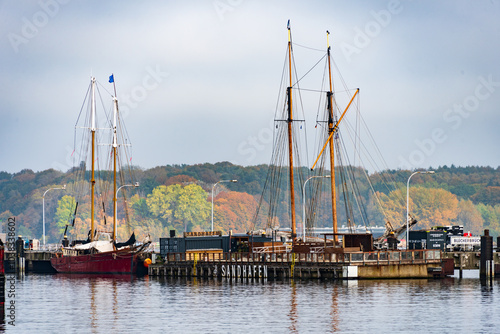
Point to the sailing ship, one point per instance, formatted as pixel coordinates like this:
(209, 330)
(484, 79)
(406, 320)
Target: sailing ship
(286, 160)
(101, 253)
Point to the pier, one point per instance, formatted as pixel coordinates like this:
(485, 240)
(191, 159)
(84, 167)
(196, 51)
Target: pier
(469, 260)
(33, 261)
(356, 265)
(382, 264)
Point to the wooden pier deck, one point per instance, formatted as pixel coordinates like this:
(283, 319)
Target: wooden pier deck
(35, 261)
(363, 265)
(383, 264)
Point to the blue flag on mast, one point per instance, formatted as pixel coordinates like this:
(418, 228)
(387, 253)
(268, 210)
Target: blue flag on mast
(111, 78)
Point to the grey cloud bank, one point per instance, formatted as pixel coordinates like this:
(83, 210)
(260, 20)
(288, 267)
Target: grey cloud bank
(198, 81)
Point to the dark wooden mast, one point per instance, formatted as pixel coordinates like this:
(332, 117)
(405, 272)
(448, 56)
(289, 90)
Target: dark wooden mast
(329, 95)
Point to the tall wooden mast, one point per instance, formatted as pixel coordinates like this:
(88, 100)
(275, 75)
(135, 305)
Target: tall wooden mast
(115, 151)
(290, 139)
(332, 129)
(92, 176)
(329, 95)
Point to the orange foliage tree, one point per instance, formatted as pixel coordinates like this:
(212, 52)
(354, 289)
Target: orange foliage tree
(430, 206)
(180, 179)
(234, 211)
(434, 207)
(470, 217)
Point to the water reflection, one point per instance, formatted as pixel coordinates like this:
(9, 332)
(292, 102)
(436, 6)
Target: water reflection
(292, 315)
(103, 292)
(93, 310)
(114, 289)
(120, 304)
(334, 312)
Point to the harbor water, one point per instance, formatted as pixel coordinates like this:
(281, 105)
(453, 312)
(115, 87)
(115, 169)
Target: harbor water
(100, 304)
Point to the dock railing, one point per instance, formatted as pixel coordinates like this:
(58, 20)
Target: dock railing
(352, 258)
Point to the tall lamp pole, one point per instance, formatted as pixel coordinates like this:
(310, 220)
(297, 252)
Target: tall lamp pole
(116, 206)
(408, 204)
(304, 204)
(43, 209)
(213, 198)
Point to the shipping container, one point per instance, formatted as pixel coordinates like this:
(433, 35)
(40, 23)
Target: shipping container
(203, 243)
(226, 243)
(172, 245)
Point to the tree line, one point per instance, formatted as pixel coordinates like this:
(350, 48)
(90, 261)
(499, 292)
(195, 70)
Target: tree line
(178, 197)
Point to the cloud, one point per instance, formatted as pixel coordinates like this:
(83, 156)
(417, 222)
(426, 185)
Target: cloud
(224, 71)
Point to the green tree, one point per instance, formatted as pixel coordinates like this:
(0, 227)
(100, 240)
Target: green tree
(64, 213)
(491, 217)
(139, 206)
(185, 208)
(163, 200)
(192, 208)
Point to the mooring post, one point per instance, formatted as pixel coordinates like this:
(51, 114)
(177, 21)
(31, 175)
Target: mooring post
(486, 260)
(20, 255)
(460, 270)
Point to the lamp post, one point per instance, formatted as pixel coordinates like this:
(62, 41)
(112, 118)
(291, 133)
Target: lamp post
(43, 209)
(116, 206)
(213, 198)
(125, 185)
(408, 204)
(304, 203)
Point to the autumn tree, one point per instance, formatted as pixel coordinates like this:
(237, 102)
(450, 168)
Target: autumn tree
(488, 195)
(393, 208)
(184, 208)
(431, 207)
(491, 217)
(65, 214)
(234, 211)
(180, 179)
(4, 219)
(469, 217)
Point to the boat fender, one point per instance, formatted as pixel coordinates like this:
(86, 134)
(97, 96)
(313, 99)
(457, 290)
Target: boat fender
(147, 262)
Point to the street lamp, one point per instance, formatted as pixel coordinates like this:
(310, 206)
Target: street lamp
(213, 198)
(304, 204)
(408, 204)
(116, 206)
(43, 209)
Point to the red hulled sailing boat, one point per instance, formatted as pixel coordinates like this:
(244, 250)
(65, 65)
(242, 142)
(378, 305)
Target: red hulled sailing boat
(100, 253)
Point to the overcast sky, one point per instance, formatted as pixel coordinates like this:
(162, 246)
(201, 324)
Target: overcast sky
(198, 80)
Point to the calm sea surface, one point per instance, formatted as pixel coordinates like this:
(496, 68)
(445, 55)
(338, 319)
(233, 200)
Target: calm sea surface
(89, 304)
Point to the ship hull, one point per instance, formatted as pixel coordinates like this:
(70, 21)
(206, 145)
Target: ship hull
(115, 262)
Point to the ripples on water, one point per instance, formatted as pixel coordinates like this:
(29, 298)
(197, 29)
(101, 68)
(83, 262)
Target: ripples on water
(89, 304)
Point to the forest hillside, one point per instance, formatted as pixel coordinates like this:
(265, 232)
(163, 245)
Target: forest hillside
(179, 197)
